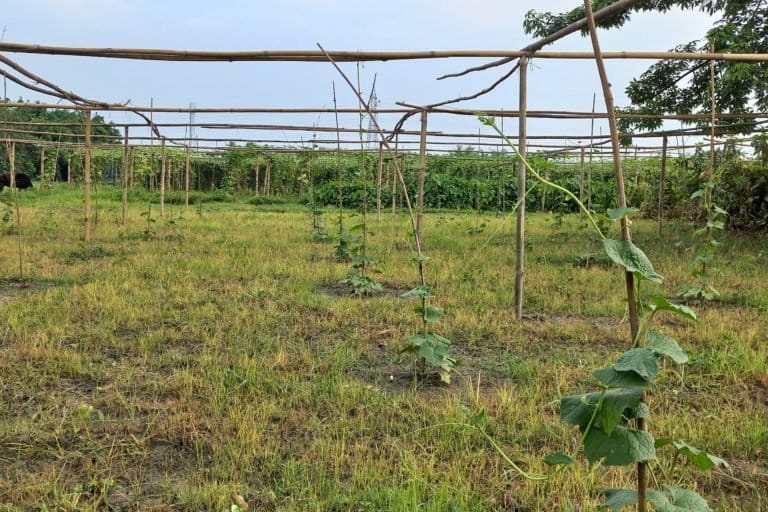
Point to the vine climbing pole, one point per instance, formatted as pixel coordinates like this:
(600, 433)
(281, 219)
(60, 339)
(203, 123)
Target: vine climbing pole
(642, 475)
(520, 241)
(162, 178)
(87, 179)
(126, 166)
(422, 172)
(662, 177)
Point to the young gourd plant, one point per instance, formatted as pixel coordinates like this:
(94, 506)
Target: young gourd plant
(359, 274)
(430, 346)
(702, 289)
(318, 234)
(607, 417)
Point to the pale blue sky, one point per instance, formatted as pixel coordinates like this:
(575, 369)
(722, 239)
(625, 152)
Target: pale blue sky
(339, 24)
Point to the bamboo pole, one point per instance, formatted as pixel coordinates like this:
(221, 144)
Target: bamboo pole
(42, 165)
(642, 475)
(69, 170)
(268, 178)
(581, 177)
(87, 179)
(378, 182)
(589, 169)
(186, 180)
(358, 56)
(162, 178)
(256, 171)
(12, 170)
(521, 187)
(422, 171)
(661, 184)
(126, 165)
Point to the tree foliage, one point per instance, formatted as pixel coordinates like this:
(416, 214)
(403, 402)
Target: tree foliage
(683, 86)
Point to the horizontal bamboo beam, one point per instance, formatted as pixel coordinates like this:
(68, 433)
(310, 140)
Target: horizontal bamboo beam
(356, 56)
(541, 114)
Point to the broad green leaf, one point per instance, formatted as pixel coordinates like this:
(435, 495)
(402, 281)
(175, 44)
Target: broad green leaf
(617, 213)
(716, 224)
(557, 459)
(419, 291)
(700, 458)
(696, 194)
(677, 500)
(431, 314)
(578, 409)
(719, 210)
(433, 348)
(617, 499)
(421, 258)
(613, 378)
(642, 361)
(629, 256)
(659, 303)
(664, 345)
(623, 446)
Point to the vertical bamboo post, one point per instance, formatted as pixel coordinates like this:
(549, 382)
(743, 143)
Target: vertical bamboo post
(126, 165)
(186, 180)
(256, 178)
(422, 172)
(268, 178)
(522, 141)
(162, 178)
(69, 170)
(591, 150)
(12, 170)
(581, 178)
(394, 181)
(87, 179)
(378, 182)
(662, 176)
(642, 475)
(42, 165)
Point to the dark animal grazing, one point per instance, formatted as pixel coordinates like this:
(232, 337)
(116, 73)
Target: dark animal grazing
(22, 181)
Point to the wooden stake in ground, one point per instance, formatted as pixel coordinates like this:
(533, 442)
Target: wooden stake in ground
(581, 177)
(126, 165)
(268, 178)
(422, 172)
(378, 182)
(69, 170)
(520, 240)
(186, 180)
(591, 149)
(42, 165)
(662, 176)
(256, 169)
(87, 179)
(642, 475)
(162, 179)
(12, 170)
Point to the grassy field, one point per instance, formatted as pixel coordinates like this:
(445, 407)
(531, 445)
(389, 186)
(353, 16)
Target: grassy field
(178, 364)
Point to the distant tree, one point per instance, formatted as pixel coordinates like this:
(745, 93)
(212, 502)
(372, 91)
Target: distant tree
(683, 86)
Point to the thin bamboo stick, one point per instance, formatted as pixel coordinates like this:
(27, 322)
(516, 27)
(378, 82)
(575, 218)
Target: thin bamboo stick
(642, 476)
(521, 187)
(162, 178)
(661, 185)
(378, 183)
(186, 179)
(126, 164)
(87, 179)
(421, 173)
